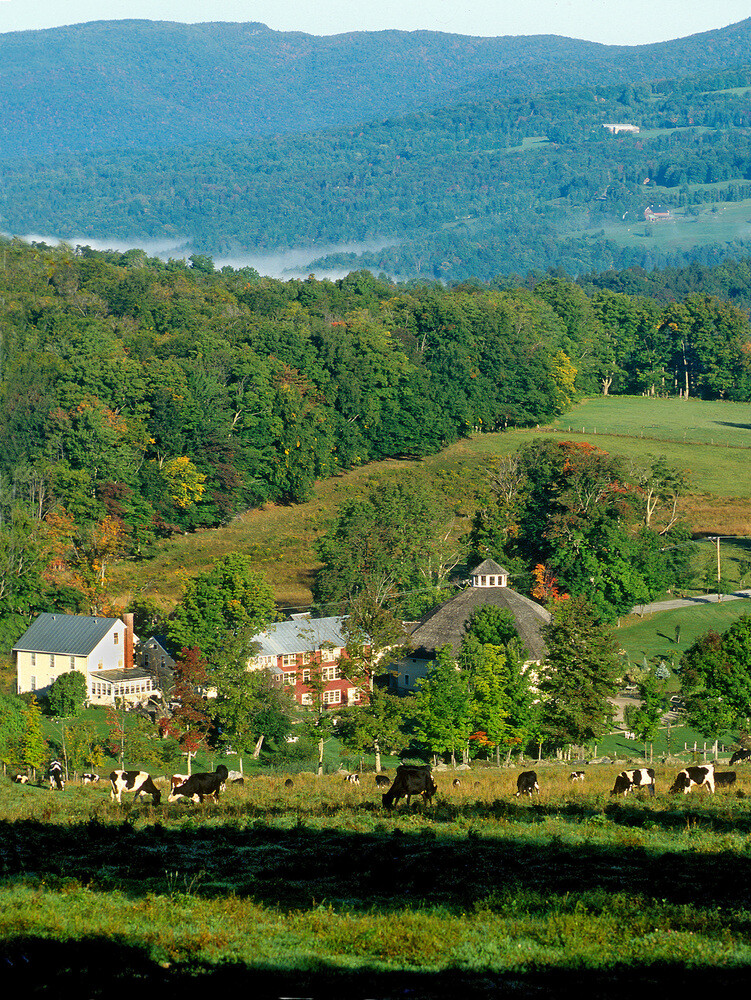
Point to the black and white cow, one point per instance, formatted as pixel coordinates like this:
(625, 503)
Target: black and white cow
(694, 777)
(89, 778)
(353, 779)
(724, 779)
(21, 779)
(201, 785)
(576, 776)
(628, 781)
(55, 772)
(408, 781)
(740, 756)
(133, 781)
(176, 780)
(526, 784)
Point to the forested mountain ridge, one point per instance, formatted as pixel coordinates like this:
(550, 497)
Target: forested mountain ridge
(142, 84)
(465, 191)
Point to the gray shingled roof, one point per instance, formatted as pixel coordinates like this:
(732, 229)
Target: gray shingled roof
(445, 625)
(69, 635)
(489, 568)
(300, 636)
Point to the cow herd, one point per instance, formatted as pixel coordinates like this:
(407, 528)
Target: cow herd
(409, 781)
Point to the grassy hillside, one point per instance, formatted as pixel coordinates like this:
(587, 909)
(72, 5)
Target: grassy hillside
(709, 440)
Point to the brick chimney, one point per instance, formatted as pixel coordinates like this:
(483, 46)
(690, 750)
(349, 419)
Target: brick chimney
(128, 663)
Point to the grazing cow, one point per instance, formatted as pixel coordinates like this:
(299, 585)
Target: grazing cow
(410, 781)
(288, 783)
(640, 777)
(353, 779)
(456, 782)
(526, 784)
(201, 785)
(21, 779)
(56, 775)
(133, 781)
(724, 779)
(89, 778)
(694, 777)
(176, 780)
(382, 780)
(740, 756)
(576, 776)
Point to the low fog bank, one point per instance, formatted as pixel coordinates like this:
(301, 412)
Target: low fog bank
(292, 263)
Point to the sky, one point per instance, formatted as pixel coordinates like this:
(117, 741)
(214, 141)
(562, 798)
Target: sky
(609, 21)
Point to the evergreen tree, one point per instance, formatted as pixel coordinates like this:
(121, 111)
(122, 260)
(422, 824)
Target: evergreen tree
(648, 715)
(580, 674)
(33, 744)
(442, 709)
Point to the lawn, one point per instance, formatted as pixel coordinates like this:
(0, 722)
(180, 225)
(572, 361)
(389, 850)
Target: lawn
(317, 891)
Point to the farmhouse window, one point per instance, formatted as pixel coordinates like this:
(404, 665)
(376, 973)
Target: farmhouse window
(33, 683)
(33, 659)
(116, 638)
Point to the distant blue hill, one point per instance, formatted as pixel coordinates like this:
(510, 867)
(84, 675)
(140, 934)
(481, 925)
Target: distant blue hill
(143, 84)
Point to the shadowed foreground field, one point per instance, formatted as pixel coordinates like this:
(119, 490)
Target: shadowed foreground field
(317, 891)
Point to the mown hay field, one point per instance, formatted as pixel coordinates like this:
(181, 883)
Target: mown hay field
(317, 891)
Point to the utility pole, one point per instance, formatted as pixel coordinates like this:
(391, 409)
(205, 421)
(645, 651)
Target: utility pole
(719, 575)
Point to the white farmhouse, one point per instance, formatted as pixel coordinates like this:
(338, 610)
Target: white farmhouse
(100, 648)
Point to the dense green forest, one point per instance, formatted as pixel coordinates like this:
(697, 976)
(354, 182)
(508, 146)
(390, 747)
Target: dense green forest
(478, 190)
(454, 158)
(140, 398)
(144, 84)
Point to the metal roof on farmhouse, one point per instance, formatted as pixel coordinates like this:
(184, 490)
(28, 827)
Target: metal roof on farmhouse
(445, 625)
(71, 635)
(300, 636)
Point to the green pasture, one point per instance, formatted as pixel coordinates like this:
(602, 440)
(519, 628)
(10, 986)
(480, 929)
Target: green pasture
(717, 222)
(318, 891)
(653, 636)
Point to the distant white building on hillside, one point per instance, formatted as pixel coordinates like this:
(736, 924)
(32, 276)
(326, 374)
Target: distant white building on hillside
(616, 127)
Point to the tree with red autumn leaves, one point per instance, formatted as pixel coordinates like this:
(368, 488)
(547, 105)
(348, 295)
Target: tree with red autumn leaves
(190, 723)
